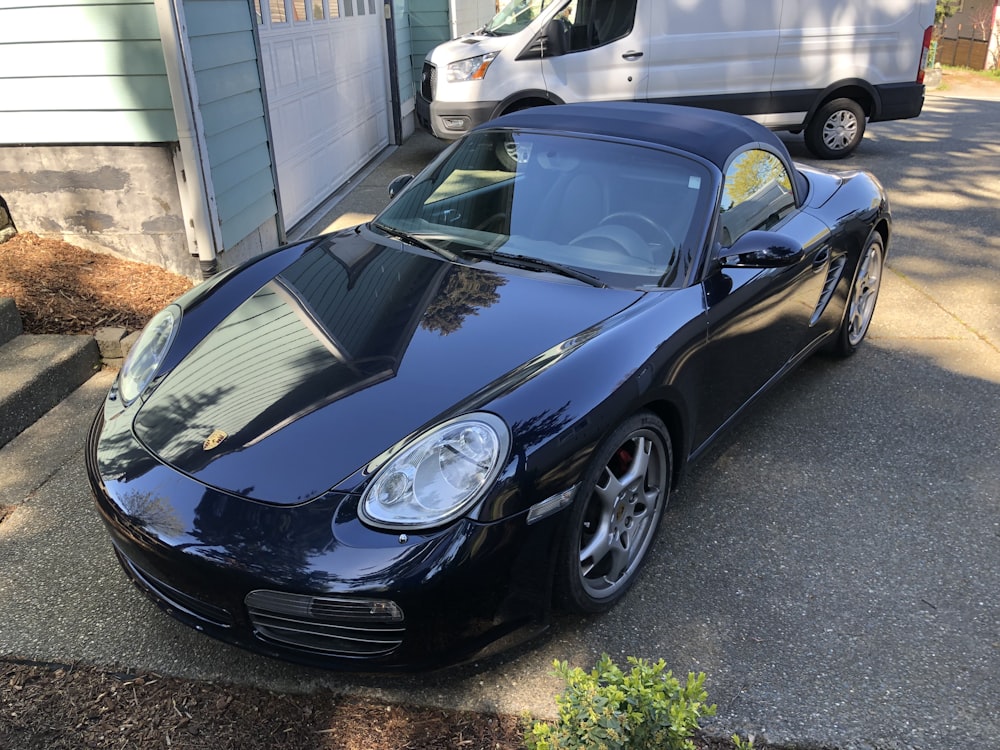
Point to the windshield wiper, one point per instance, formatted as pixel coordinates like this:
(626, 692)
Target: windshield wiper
(418, 240)
(535, 264)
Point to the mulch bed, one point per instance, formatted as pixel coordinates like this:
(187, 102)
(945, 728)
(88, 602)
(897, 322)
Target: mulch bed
(58, 706)
(61, 288)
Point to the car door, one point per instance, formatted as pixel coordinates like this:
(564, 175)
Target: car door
(759, 319)
(603, 55)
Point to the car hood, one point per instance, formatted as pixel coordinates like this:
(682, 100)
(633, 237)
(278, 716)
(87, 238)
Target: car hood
(350, 349)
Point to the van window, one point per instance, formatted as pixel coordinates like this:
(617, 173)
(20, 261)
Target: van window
(591, 23)
(757, 195)
(515, 15)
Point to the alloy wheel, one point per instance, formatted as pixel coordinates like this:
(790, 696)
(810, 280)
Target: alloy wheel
(622, 513)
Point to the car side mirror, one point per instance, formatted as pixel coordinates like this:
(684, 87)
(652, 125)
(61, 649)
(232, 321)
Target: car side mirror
(398, 184)
(759, 249)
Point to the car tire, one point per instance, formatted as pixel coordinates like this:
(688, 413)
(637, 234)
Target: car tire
(836, 129)
(862, 297)
(615, 515)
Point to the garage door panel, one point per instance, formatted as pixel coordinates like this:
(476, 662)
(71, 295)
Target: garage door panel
(324, 53)
(305, 55)
(282, 66)
(327, 94)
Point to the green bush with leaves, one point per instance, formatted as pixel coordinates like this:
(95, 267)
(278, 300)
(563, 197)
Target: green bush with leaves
(607, 709)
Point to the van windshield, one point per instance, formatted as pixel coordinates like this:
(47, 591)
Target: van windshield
(515, 15)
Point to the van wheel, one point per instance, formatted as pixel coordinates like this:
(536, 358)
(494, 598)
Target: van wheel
(836, 129)
(507, 152)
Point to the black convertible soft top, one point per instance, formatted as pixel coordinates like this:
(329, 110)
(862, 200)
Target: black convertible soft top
(708, 133)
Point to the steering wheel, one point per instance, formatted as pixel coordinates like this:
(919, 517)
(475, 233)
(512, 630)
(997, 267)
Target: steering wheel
(651, 232)
(498, 223)
(615, 245)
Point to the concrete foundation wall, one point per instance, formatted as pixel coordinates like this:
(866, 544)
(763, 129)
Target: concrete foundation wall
(261, 240)
(118, 198)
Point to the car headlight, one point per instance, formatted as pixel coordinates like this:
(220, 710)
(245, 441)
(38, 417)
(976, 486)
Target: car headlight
(146, 355)
(471, 69)
(439, 476)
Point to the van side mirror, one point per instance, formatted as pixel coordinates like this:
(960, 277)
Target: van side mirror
(759, 249)
(398, 184)
(551, 41)
(556, 38)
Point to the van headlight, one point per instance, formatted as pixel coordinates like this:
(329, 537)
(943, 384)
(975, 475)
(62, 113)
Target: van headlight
(472, 69)
(147, 354)
(439, 475)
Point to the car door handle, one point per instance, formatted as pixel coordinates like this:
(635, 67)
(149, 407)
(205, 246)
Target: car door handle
(630, 56)
(821, 258)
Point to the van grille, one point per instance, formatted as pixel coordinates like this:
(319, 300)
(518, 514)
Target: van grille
(428, 79)
(329, 625)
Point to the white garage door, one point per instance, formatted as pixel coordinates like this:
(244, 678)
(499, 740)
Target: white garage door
(326, 77)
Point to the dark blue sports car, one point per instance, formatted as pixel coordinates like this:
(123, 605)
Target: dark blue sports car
(398, 446)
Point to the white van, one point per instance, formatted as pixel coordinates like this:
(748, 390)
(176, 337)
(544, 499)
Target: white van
(822, 66)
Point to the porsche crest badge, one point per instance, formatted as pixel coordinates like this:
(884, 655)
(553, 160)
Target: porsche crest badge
(214, 440)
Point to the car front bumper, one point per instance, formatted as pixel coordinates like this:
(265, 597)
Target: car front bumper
(310, 583)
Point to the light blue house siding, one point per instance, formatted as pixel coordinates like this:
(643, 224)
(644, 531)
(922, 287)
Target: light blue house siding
(404, 54)
(429, 26)
(82, 71)
(224, 59)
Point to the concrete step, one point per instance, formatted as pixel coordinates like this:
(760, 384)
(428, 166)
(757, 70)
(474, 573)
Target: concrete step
(39, 371)
(10, 320)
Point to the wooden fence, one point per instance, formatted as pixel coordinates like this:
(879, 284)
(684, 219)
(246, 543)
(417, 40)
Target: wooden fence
(965, 53)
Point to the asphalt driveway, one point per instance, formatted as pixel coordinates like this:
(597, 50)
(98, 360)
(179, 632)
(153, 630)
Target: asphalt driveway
(832, 565)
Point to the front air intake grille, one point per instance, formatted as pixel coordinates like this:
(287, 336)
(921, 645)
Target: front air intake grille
(326, 624)
(427, 81)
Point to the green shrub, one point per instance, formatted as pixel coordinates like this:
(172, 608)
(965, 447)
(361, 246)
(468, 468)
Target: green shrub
(607, 709)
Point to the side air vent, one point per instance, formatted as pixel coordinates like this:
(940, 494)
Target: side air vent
(832, 278)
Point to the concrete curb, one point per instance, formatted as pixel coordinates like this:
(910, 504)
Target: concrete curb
(10, 321)
(114, 344)
(37, 371)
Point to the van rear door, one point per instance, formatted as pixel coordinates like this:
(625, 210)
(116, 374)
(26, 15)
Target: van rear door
(714, 53)
(603, 55)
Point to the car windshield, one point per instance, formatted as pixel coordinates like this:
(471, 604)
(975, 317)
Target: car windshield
(626, 214)
(515, 15)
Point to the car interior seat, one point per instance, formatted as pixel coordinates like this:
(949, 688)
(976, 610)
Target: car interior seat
(577, 202)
